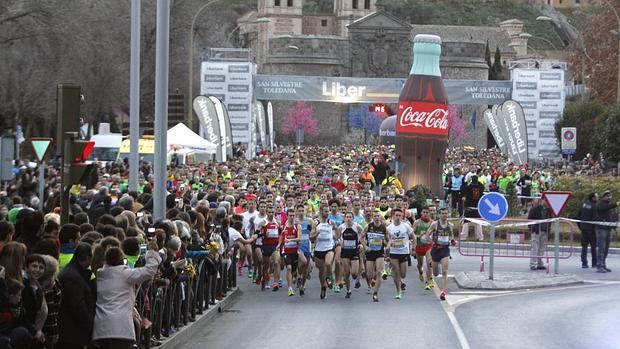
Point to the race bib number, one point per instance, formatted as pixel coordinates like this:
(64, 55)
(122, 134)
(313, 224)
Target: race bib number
(424, 240)
(443, 240)
(272, 233)
(398, 243)
(348, 244)
(290, 244)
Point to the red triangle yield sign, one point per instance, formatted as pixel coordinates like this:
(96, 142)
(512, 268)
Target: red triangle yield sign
(557, 200)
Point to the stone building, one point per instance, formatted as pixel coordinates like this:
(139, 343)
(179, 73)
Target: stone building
(359, 40)
(568, 3)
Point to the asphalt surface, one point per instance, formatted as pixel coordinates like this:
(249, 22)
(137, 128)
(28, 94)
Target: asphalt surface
(582, 316)
(575, 317)
(263, 319)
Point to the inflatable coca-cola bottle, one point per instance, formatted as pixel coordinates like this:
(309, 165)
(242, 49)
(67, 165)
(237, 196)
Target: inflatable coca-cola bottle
(422, 121)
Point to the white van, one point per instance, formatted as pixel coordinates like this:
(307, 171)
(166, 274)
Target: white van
(107, 145)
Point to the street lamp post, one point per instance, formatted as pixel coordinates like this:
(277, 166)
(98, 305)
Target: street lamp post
(582, 47)
(190, 79)
(258, 20)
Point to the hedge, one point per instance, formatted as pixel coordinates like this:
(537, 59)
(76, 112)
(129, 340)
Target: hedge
(582, 186)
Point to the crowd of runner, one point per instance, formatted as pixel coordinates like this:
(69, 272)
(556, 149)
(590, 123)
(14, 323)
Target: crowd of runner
(338, 214)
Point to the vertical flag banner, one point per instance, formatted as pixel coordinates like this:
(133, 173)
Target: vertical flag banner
(205, 110)
(270, 121)
(512, 121)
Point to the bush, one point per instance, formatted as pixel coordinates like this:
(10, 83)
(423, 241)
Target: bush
(581, 187)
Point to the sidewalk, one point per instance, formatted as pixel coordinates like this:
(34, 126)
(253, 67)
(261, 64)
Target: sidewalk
(187, 332)
(513, 280)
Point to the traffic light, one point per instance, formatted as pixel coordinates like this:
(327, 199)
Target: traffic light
(68, 100)
(76, 153)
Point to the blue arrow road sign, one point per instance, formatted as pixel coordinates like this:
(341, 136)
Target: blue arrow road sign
(493, 207)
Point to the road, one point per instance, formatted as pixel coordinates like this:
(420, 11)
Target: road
(547, 318)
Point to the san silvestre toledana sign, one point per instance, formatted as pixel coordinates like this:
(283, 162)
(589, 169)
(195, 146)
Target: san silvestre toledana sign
(371, 90)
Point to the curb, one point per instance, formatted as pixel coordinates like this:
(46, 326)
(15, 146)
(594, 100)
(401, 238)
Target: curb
(513, 281)
(192, 329)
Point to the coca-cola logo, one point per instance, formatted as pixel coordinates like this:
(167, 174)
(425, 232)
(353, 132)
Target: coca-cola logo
(426, 118)
(437, 118)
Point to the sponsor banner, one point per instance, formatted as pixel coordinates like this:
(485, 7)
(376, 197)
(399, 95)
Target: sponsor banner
(371, 90)
(220, 111)
(228, 137)
(205, 111)
(261, 123)
(422, 118)
(491, 120)
(232, 84)
(512, 121)
(270, 126)
(541, 93)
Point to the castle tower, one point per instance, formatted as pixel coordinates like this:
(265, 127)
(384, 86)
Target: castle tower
(285, 16)
(346, 11)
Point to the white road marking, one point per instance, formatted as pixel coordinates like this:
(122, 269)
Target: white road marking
(459, 332)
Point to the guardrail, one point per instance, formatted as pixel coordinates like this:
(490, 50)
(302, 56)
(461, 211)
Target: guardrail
(166, 305)
(512, 237)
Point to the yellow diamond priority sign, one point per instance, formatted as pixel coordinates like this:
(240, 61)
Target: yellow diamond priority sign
(41, 147)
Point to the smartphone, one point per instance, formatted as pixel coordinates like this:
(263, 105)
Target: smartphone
(142, 249)
(150, 233)
(139, 214)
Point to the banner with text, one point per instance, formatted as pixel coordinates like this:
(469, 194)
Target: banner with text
(511, 120)
(371, 90)
(541, 93)
(231, 83)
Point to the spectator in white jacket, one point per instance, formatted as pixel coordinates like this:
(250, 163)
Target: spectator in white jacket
(114, 327)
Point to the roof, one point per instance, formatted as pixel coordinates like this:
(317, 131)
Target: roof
(380, 18)
(494, 35)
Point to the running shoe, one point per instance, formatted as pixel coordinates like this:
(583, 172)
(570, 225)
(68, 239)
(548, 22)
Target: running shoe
(298, 283)
(256, 279)
(442, 296)
(267, 286)
(323, 289)
(428, 286)
(275, 287)
(241, 271)
(336, 289)
(329, 282)
(421, 277)
(369, 290)
(263, 286)
(375, 297)
(389, 272)
(280, 283)
(398, 295)
(403, 286)
(384, 275)
(348, 295)
(357, 284)
(302, 292)
(607, 269)
(251, 275)
(291, 292)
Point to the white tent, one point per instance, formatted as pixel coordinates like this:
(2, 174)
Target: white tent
(181, 135)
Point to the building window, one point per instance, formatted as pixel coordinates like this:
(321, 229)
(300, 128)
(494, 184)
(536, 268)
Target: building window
(289, 3)
(367, 4)
(354, 4)
(276, 2)
(323, 23)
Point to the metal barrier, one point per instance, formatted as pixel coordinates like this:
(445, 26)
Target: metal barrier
(513, 240)
(169, 305)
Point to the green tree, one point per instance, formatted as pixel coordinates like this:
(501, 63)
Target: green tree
(497, 64)
(585, 116)
(608, 132)
(487, 55)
